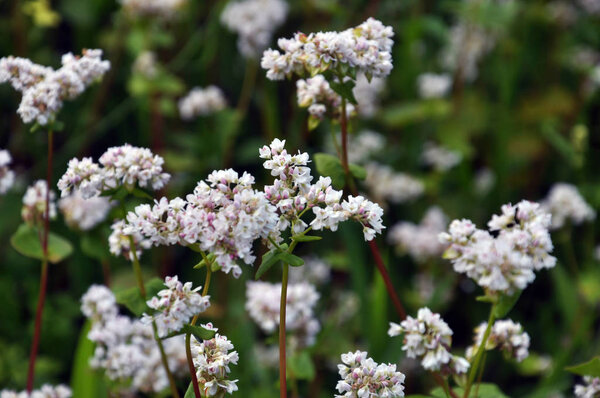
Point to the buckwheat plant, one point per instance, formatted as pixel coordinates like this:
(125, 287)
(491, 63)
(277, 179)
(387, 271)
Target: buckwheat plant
(7, 176)
(507, 336)
(47, 391)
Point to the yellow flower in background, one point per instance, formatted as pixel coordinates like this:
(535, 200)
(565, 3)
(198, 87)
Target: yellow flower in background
(41, 13)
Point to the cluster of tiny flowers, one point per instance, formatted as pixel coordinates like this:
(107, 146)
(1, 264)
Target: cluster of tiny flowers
(314, 270)
(7, 176)
(364, 145)
(365, 48)
(47, 391)
(84, 214)
(223, 216)
(316, 94)
(384, 184)
(34, 203)
(362, 377)
(161, 9)
(433, 86)
(292, 193)
(367, 94)
(468, 44)
(254, 21)
(590, 388)
(124, 165)
(429, 338)
(262, 304)
(420, 240)
(565, 203)
(439, 158)
(175, 306)
(125, 348)
(211, 360)
(146, 64)
(506, 335)
(201, 102)
(505, 258)
(44, 89)
(119, 241)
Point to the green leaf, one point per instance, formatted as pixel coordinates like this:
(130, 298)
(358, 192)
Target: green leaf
(85, 382)
(329, 165)
(589, 368)
(140, 193)
(189, 393)
(313, 122)
(93, 246)
(301, 366)
(132, 299)
(344, 90)
(199, 332)
(268, 260)
(306, 238)
(291, 259)
(357, 171)
(505, 304)
(27, 242)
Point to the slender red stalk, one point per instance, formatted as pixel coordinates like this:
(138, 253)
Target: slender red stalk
(282, 353)
(386, 279)
(37, 331)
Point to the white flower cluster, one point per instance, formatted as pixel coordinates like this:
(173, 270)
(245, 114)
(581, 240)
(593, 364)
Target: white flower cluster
(212, 359)
(590, 6)
(119, 241)
(506, 335)
(384, 184)
(125, 348)
(429, 338)
(34, 203)
(366, 48)
(146, 64)
(175, 306)
(433, 86)
(262, 304)
(505, 258)
(364, 145)
(420, 240)
(367, 94)
(223, 217)
(314, 270)
(84, 214)
(468, 44)
(254, 21)
(440, 158)
(124, 165)
(292, 193)
(590, 388)
(47, 391)
(362, 377)
(44, 89)
(201, 102)
(161, 9)
(565, 203)
(316, 94)
(7, 176)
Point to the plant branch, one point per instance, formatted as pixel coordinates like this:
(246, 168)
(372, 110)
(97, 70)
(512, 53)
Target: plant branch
(480, 350)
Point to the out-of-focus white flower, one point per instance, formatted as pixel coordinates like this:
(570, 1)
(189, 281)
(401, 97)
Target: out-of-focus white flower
(161, 9)
(508, 261)
(145, 64)
(362, 146)
(590, 6)
(506, 335)
(440, 158)
(434, 86)
(212, 359)
(119, 242)
(316, 94)
(201, 102)
(254, 21)
(34, 203)
(590, 388)
(367, 94)
(366, 48)
(84, 214)
(420, 240)
(124, 165)
(44, 89)
(429, 338)
(468, 44)
(484, 181)
(175, 306)
(262, 304)
(7, 176)
(315, 270)
(384, 184)
(565, 203)
(362, 377)
(47, 391)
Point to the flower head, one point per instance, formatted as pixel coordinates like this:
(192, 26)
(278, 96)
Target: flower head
(34, 203)
(201, 102)
(7, 176)
(47, 391)
(84, 214)
(506, 335)
(565, 203)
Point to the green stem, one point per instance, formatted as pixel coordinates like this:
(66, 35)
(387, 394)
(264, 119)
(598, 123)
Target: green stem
(480, 351)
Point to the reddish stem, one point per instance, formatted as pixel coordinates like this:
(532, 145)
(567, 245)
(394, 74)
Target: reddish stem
(44, 275)
(386, 278)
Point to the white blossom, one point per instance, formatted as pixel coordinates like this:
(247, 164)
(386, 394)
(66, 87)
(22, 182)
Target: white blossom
(428, 338)
(362, 377)
(384, 184)
(7, 176)
(565, 203)
(434, 86)
(34, 203)
(467, 45)
(84, 214)
(175, 306)
(119, 242)
(420, 240)
(47, 391)
(505, 335)
(440, 158)
(201, 102)
(316, 94)
(590, 388)
(146, 64)
(362, 146)
(254, 21)
(315, 270)
(590, 6)
(160, 9)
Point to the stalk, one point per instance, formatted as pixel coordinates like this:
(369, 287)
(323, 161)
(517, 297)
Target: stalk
(444, 384)
(282, 310)
(480, 350)
(44, 273)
